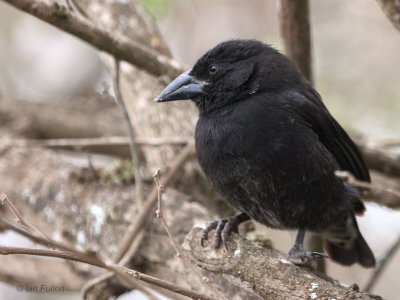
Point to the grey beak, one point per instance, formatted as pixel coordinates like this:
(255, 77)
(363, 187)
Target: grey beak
(183, 87)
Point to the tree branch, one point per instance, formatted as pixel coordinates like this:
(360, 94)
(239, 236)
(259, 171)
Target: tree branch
(126, 273)
(137, 224)
(119, 46)
(179, 253)
(378, 158)
(132, 136)
(18, 216)
(87, 143)
(266, 272)
(295, 32)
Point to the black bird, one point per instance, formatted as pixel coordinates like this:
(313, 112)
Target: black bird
(270, 148)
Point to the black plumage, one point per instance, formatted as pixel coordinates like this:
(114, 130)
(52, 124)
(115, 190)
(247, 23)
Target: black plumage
(270, 148)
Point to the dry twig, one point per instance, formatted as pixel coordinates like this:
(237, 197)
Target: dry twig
(131, 131)
(18, 216)
(135, 227)
(126, 273)
(89, 257)
(135, 234)
(179, 253)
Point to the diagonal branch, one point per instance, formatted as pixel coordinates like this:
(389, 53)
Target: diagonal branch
(137, 224)
(126, 273)
(18, 216)
(119, 46)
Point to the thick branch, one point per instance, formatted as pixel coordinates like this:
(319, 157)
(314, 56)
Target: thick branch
(267, 272)
(119, 46)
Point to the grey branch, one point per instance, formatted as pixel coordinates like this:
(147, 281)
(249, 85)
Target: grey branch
(119, 46)
(266, 272)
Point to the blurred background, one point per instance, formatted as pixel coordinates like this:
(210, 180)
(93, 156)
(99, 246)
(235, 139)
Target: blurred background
(356, 55)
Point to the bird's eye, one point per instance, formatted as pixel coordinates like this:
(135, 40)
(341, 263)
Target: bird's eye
(213, 69)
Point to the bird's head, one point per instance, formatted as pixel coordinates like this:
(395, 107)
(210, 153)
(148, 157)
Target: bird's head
(230, 72)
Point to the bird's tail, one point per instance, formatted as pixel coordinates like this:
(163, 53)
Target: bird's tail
(345, 244)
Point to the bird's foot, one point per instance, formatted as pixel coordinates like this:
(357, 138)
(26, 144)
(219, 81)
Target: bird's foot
(222, 228)
(298, 256)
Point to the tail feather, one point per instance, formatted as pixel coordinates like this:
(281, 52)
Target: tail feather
(345, 244)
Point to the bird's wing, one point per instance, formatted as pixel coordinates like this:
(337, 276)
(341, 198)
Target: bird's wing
(310, 106)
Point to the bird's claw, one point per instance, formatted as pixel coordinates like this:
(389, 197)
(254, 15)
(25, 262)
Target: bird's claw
(300, 257)
(222, 228)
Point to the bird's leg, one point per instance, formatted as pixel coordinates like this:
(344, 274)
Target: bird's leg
(298, 256)
(223, 228)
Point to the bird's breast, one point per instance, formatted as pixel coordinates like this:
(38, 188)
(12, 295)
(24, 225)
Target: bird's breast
(216, 144)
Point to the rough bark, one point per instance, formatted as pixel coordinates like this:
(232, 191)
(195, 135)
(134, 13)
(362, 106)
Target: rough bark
(72, 204)
(265, 272)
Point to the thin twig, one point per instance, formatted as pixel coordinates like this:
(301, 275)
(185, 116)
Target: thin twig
(382, 263)
(126, 273)
(74, 6)
(366, 185)
(18, 216)
(135, 234)
(135, 227)
(131, 131)
(122, 262)
(89, 257)
(41, 240)
(179, 253)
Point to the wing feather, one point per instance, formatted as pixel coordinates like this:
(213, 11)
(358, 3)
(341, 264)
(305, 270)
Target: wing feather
(331, 134)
